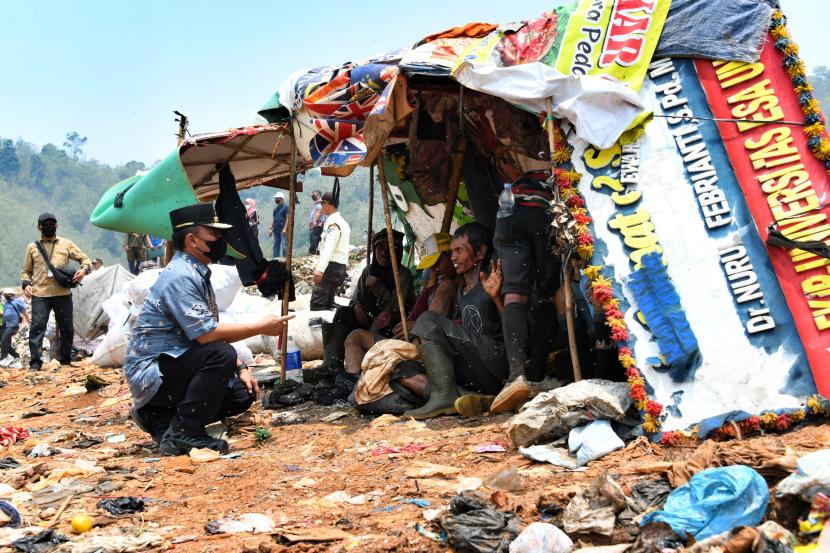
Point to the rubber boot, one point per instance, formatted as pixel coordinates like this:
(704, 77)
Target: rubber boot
(543, 338)
(441, 374)
(514, 327)
(334, 350)
(391, 404)
(473, 405)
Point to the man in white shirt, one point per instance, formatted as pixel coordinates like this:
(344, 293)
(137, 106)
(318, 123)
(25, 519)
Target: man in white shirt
(330, 270)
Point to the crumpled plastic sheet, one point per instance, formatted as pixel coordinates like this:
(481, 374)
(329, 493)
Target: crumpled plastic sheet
(14, 515)
(714, 501)
(553, 414)
(10, 435)
(474, 526)
(47, 540)
(125, 505)
(246, 522)
(594, 508)
(541, 536)
(129, 539)
(812, 475)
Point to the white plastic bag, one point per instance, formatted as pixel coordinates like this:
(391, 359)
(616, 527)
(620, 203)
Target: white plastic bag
(541, 536)
(592, 441)
(112, 351)
(226, 285)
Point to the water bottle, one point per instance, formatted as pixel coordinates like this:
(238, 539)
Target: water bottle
(506, 202)
(293, 362)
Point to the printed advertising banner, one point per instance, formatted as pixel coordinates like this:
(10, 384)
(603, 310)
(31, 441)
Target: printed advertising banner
(669, 209)
(784, 184)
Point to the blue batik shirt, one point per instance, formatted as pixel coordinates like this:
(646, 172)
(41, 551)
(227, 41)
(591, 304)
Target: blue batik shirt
(180, 308)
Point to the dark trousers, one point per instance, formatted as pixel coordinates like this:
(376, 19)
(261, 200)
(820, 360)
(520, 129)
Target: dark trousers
(314, 236)
(198, 387)
(41, 307)
(322, 297)
(277, 243)
(6, 335)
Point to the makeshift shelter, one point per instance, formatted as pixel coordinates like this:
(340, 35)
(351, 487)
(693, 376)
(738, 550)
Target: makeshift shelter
(668, 216)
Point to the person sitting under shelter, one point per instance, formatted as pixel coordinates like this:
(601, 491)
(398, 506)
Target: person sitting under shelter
(438, 297)
(472, 353)
(181, 368)
(374, 304)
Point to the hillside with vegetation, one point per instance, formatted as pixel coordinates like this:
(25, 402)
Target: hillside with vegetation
(60, 180)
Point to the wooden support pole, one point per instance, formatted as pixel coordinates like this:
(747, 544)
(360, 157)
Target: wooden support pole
(292, 198)
(369, 231)
(566, 270)
(393, 255)
(455, 181)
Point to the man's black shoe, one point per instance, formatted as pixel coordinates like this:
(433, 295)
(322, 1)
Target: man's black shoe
(34, 367)
(178, 443)
(144, 423)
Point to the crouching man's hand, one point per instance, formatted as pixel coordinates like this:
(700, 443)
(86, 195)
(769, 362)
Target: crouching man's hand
(272, 325)
(248, 380)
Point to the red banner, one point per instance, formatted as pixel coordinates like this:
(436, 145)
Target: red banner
(783, 183)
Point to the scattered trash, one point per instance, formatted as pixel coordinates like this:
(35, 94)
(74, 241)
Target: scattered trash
(45, 541)
(121, 539)
(262, 434)
(715, 500)
(541, 536)
(233, 455)
(594, 509)
(657, 536)
(645, 496)
(507, 480)
(116, 438)
(474, 526)
(422, 503)
(41, 450)
(305, 483)
(9, 463)
(384, 420)
(434, 514)
(94, 382)
(468, 484)
(125, 505)
(203, 455)
(593, 441)
(12, 513)
(334, 416)
(343, 497)
(184, 539)
(81, 523)
(286, 418)
(388, 450)
(547, 453)
(315, 534)
(247, 522)
(555, 413)
(152, 459)
(490, 448)
(434, 536)
(812, 475)
(422, 469)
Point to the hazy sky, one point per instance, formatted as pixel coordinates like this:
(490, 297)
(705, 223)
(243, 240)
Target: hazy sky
(115, 71)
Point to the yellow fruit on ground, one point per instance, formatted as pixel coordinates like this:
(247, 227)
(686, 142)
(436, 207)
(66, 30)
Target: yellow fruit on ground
(81, 523)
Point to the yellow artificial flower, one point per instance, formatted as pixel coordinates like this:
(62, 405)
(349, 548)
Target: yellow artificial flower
(791, 49)
(651, 427)
(591, 271)
(561, 155)
(797, 70)
(768, 419)
(778, 32)
(586, 252)
(811, 107)
(627, 361)
(814, 129)
(813, 402)
(797, 416)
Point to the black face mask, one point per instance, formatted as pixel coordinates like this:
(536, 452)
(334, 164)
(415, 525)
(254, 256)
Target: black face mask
(216, 249)
(49, 229)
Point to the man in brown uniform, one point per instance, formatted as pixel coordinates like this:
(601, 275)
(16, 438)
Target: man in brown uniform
(47, 295)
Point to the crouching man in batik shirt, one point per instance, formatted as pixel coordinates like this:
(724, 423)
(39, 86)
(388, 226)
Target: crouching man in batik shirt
(181, 368)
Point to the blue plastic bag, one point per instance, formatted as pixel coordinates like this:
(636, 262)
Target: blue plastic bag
(714, 501)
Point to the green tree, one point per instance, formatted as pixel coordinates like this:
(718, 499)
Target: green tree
(75, 143)
(9, 162)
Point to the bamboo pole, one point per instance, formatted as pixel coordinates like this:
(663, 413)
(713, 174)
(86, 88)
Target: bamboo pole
(455, 181)
(369, 231)
(289, 251)
(566, 271)
(168, 248)
(393, 255)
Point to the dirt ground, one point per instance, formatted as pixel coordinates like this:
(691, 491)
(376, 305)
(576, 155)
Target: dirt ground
(288, 475)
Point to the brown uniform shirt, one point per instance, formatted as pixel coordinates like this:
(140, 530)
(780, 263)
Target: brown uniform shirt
(59, 251)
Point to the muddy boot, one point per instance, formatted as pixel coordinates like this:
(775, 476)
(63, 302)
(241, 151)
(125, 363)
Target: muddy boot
(391, 404)
(473, 405)
(514, 327)
(334, 350)
(442, 392)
